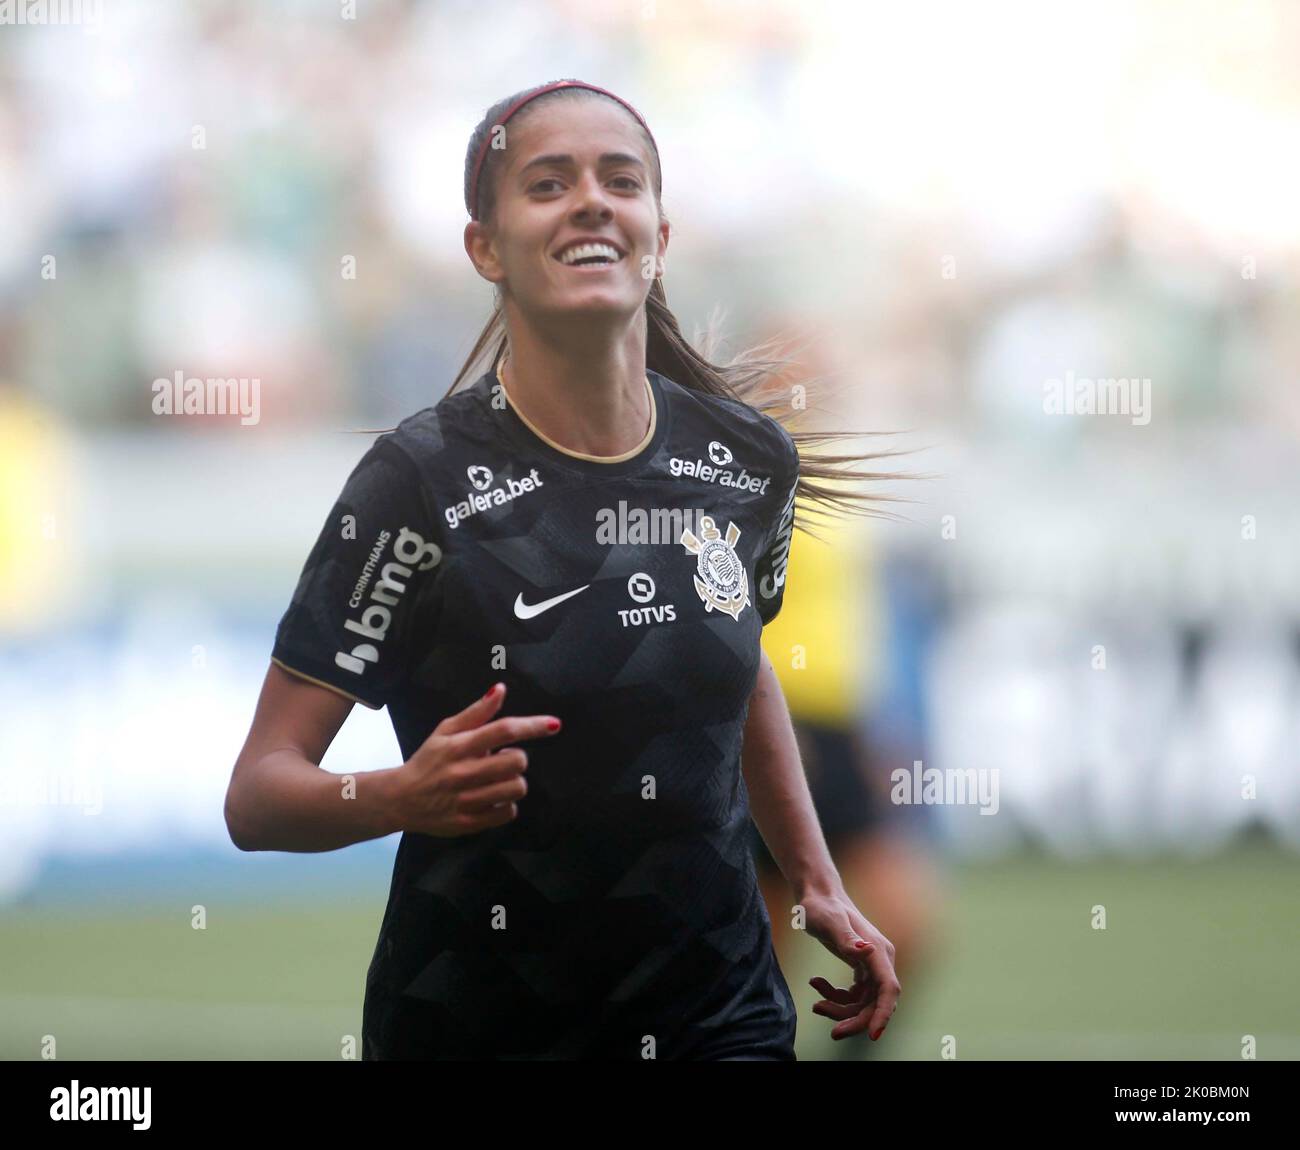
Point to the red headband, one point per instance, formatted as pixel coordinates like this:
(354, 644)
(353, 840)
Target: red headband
(472, 205)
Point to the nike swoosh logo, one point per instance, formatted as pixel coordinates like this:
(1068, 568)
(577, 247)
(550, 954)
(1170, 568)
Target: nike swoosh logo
(525, 611)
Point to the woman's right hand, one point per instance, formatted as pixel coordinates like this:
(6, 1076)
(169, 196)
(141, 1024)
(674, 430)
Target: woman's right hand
(457, 782)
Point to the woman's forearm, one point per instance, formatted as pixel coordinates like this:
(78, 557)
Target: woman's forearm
(779, 800)
(287, 803)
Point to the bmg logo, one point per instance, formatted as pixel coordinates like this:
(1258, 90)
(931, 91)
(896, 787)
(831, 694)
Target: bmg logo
(410, 553)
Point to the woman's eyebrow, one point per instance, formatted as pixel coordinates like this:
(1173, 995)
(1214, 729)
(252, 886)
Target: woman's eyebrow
(562, 160)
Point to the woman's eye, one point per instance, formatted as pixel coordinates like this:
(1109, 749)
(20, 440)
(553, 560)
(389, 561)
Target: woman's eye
(631, 181)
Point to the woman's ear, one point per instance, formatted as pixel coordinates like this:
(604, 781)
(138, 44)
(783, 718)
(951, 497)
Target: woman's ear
(665, 232)
(479, 248)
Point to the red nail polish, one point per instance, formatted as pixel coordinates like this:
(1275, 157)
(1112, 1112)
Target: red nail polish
(553, 724)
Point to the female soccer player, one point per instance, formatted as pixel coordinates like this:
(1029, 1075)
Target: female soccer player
(577, 552)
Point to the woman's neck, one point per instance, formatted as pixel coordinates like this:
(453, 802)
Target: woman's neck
(590, 405)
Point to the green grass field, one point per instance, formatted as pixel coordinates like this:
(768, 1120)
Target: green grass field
(1195, 955)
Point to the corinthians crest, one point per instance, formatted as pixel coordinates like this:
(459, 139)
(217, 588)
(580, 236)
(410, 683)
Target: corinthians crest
(719, 573)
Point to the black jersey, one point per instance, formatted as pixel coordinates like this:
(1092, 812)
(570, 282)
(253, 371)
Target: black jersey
(618, 914)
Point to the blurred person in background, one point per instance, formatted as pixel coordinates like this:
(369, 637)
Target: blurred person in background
(38, 488)
(829, 649)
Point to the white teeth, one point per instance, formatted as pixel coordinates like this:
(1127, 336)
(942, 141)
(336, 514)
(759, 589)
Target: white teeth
(585, 251)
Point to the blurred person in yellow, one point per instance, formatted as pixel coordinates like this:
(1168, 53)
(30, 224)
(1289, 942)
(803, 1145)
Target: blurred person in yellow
(33, 490)
(828, 649)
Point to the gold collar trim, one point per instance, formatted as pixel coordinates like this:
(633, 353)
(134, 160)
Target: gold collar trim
(649, 435)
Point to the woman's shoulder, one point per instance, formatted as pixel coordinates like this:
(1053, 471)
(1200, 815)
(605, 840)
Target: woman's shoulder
(444, 427)
(732, 415)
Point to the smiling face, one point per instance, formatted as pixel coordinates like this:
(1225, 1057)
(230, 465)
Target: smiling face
(577, 179)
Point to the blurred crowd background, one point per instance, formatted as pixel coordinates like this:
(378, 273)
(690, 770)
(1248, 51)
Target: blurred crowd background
(951, 205)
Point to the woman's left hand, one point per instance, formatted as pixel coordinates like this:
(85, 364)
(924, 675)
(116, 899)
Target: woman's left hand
(842, 929)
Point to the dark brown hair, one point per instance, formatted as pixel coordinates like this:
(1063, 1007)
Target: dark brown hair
(764, 377)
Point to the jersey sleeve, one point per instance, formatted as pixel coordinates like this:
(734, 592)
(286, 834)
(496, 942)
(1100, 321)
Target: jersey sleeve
(769, 574)
(350, 622)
